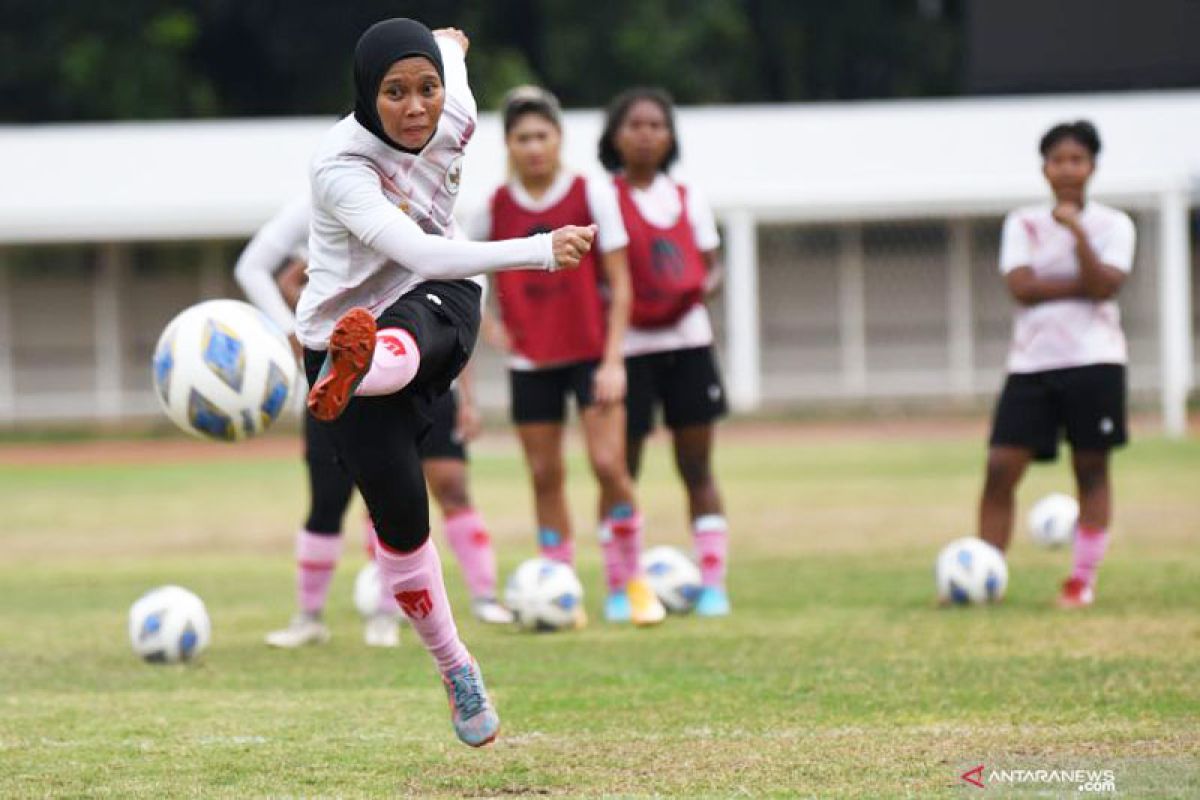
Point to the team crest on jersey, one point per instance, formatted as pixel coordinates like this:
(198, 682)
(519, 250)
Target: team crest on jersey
(454, 175)
(666, 258)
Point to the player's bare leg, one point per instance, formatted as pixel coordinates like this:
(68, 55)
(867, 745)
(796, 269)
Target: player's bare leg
(630, 596)
(1005, 468)
(710, 532)
(1091, 534)
(543, 446)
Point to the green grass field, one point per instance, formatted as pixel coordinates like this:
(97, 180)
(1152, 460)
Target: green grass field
(836, 677)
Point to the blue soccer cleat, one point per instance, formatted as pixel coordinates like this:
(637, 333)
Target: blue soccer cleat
(475, 719)
(617, 608)
(712, 602)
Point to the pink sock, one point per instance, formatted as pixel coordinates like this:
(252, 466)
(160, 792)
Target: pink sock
(626, 525)
(614, 563)
(471, 543)
(711, 536)
(316, 558)
(415, 579)
(394, 365)
(556, 547)
(1090, 544)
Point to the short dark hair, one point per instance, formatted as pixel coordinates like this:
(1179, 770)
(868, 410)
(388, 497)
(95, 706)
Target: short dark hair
(1081, 131)
(530, 100)
(618, 109)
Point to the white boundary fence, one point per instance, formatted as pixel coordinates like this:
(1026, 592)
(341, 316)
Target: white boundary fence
(849, 166)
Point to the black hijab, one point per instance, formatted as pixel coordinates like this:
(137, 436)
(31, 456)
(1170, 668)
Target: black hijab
(382, 45)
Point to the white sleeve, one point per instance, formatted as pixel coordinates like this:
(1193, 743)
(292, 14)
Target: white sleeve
(1118, 250)
(478, 226)
(704, 225)
(276, 241)
(454, 64)
(606, 213)
(1014, 244)
(350, 192)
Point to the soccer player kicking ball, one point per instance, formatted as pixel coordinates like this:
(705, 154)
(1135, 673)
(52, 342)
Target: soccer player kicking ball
(389, 316)
(1064, 264)
(271, 273)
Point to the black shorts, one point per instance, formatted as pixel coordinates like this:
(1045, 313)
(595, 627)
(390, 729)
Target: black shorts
(540, 395)
(441, 440)
(686, 383)
(377, 438)
(1087, 403)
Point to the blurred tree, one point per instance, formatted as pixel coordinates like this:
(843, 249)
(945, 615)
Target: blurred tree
(153, 59)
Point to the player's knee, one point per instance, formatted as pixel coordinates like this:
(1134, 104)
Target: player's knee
(1002, 474)
(1091, 474)
(608, 465)
(696, 473)
(547, 474)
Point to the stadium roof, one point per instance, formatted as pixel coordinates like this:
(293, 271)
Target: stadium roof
(206, 179)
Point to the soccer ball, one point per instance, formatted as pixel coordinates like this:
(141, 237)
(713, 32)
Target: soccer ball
(970, 570)
(545, 595)
(168, 625)
(223, 371)
(673, 576)
(367, 590)
(1052, 519)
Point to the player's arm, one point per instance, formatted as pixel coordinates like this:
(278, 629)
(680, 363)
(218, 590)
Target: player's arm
(351, 193)
(609, 382)
(1098, 280)
(714, 277)
(453, 45)
(291, 280)
(469, 424)
(1028, 289)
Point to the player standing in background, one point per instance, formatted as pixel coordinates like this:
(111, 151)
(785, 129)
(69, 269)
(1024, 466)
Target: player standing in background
(669, 357)
(1064, 264)
(564, 339)
(271, 273)
(389, 315)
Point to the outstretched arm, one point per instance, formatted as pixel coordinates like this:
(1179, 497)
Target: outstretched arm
(350, 192)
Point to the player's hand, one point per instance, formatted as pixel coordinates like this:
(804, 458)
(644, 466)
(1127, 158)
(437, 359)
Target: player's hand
(571, 244)
(608, 382)
(456, 35)
(1067, 214)
(469, 424)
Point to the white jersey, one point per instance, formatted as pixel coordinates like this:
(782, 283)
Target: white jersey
(602, 204)
(1074, 332)
(382, 220)
(283, 237)
(659, 205)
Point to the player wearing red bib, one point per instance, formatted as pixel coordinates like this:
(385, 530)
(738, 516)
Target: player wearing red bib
(670, 362)
(1064, 264)
(564, 333)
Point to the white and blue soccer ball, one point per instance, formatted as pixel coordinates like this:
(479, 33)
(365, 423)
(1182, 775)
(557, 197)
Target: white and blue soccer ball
(673, 576)
(223, 371)
(1052, 520)
(168, 625)
(368, 590)
(970, 571)
(545, 595)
